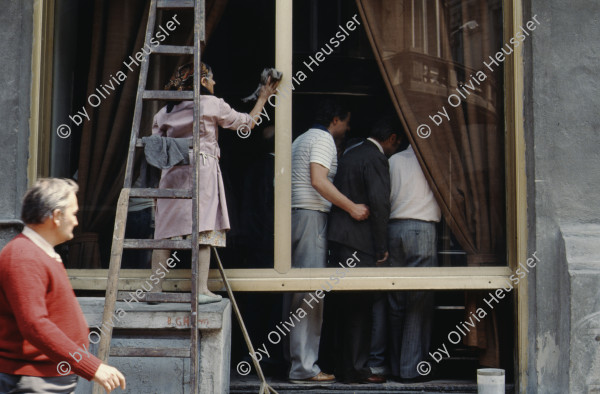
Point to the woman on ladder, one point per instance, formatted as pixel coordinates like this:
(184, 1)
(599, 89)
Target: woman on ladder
(173, 218)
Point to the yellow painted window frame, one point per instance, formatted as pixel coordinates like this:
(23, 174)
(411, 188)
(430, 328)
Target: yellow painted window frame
(282, 277)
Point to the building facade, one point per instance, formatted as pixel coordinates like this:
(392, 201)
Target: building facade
(544, 105)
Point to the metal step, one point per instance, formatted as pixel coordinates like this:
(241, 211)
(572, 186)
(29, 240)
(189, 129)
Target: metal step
(171, 4)
(161, 193)
(176, 298)
(149, 352)
(140, 144)
(173, 50)
(449, 308)
(157, 244)
(168, 297)
(168, 95)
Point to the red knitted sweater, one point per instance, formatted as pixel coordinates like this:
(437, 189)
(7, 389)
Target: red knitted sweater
(41, 322)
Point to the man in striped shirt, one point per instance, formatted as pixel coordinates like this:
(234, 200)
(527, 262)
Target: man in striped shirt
(314, 164)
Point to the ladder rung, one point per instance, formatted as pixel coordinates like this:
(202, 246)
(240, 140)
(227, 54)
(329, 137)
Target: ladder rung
(175, 4)
(173, 50)
(450, 308)
(149, 352)
(140, 144)
(161, 193)
(168, 297)
(156, 244)
(177, 298)
(168, 95)
(123, 295)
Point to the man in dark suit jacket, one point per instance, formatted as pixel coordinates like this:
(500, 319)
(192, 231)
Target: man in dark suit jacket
(363, 176)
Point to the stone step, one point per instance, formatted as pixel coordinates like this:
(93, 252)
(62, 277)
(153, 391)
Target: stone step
(251, 384)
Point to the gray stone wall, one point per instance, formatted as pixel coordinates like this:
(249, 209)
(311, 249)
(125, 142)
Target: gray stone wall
(563, 167)
(16, 19)
(164, 326)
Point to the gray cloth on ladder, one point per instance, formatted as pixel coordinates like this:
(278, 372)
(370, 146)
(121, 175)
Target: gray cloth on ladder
(166, 152)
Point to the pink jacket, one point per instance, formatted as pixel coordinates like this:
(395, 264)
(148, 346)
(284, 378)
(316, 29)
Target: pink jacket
(173, 216)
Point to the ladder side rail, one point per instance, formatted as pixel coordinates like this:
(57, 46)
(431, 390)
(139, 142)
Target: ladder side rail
(194, 350)
(116, 253)
(112, 284)
(137, 113)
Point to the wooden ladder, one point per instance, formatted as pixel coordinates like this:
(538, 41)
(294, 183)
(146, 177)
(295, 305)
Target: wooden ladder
(118, 242)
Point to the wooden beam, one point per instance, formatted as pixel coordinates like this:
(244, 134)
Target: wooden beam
(283, 142)
(458, 278)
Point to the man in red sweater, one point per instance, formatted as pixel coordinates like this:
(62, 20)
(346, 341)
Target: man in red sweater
(43, 333)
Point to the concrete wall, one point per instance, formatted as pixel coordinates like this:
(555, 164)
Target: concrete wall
(563, 165)
(16, 32)
(164, 326)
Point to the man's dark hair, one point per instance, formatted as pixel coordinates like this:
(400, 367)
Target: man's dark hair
(329, 108)
(385, 127)
(46, 195)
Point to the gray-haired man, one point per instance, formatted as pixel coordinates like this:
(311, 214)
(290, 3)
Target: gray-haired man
(43, 333)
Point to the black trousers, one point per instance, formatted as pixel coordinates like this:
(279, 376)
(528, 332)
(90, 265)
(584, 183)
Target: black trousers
(351, 312)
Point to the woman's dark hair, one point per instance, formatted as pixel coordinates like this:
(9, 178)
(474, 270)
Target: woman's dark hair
(329, 108)
(183, 79)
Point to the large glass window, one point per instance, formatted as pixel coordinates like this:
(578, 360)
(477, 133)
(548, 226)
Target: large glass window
(429, 62)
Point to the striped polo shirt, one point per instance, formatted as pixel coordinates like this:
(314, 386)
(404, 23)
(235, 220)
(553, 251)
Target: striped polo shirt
(313, 146)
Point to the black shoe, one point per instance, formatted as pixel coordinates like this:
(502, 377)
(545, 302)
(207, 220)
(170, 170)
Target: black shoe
(356, 376)
(377, 379)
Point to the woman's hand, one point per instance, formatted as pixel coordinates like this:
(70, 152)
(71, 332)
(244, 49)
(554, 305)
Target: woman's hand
(265, 91)
(268, 89)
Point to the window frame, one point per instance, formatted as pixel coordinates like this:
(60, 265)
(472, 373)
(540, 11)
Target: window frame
(403, 278)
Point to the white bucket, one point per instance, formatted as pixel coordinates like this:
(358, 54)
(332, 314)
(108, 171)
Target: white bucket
(490, 381)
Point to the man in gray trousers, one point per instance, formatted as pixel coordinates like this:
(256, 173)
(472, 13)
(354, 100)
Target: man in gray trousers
(412, 243)
(314, 164)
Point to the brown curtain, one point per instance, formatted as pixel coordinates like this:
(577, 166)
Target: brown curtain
(118, 32)
(426, 51)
